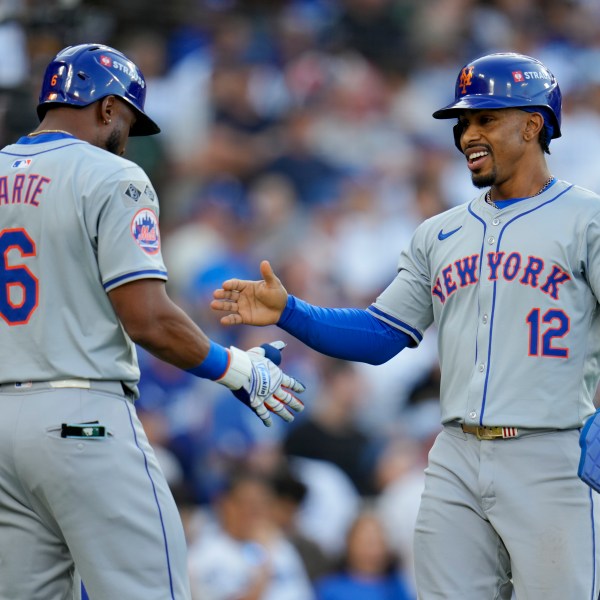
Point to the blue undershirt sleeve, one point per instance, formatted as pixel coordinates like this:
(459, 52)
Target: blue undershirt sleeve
(347, 333)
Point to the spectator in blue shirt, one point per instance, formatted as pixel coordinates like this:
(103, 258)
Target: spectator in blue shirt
(369, 570)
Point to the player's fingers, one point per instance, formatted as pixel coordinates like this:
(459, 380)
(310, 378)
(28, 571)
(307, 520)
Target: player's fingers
(232, 284)
(268, 274)
(255, 404)
(221, 294)
(284, 396)
(233, 319)
(224, 305)
(263, 413)
(292, 384)
(275, 406)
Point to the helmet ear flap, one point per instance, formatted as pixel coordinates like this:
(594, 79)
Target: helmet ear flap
(457, 131)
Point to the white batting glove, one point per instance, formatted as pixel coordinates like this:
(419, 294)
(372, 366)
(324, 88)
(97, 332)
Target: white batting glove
(257, 381)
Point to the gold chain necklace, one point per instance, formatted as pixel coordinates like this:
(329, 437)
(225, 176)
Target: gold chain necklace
(34, 133)
(488, 194)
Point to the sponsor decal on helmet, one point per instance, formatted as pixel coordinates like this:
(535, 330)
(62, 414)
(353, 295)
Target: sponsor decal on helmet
(518, 76)
(537, 75)
(144, 228)
(129, 70)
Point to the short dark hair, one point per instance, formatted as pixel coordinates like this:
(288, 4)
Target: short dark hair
(544, 140)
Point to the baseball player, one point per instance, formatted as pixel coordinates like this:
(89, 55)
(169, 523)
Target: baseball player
(511, 280)
(82, 280)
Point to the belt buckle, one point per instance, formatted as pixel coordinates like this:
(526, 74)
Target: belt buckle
(488, 433)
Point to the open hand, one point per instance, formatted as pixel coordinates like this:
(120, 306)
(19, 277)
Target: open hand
(251, 302)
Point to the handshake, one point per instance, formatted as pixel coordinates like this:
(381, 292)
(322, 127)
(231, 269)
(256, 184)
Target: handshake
(256, 380)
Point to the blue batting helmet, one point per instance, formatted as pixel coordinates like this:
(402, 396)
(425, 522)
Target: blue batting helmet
(81, 75)
(506, 80)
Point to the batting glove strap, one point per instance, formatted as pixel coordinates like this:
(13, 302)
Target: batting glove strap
(239, 369)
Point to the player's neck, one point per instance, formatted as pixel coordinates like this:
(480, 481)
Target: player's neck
(526, 189)
(66, 120)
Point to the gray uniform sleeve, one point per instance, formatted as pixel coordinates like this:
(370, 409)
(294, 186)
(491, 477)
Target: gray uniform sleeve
(126, 229)
(591, 255)
(406, 303)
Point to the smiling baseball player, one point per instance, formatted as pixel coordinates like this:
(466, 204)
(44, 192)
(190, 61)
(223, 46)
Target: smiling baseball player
(511, 279)
(82, 279)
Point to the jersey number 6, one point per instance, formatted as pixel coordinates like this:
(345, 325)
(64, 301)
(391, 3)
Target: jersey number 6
(18, 285)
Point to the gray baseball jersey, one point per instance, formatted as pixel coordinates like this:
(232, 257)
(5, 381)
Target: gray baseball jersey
(79, 482)
(514, 295)
(75, 222)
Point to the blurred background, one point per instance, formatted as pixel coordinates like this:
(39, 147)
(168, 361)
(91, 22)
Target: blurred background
(300, 131)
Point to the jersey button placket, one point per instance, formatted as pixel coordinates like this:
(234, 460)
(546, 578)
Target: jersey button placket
(485, 293)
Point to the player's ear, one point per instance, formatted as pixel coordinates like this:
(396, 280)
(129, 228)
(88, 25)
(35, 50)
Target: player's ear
(107, 108)
(533, 125)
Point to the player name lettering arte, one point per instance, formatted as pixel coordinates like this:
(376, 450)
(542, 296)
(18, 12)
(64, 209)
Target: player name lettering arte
(531, 271)
(22, 188)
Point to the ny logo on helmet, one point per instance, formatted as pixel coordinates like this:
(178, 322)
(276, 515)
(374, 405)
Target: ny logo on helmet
(465, 79)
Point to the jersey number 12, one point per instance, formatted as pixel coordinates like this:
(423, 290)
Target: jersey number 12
(541, 343)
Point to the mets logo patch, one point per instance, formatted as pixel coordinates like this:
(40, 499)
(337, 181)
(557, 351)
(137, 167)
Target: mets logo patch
(144, 228)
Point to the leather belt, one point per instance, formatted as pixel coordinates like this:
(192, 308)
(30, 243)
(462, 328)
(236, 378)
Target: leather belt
(490, 433)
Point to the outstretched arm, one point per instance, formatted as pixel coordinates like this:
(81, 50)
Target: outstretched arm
(347, 333)
(155, 322)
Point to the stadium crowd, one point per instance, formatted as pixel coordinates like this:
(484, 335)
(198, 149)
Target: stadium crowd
(300, 131)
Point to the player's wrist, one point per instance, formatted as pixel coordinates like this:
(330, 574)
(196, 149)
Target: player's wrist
(287, 310)
(239, 369)
(215, 365)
